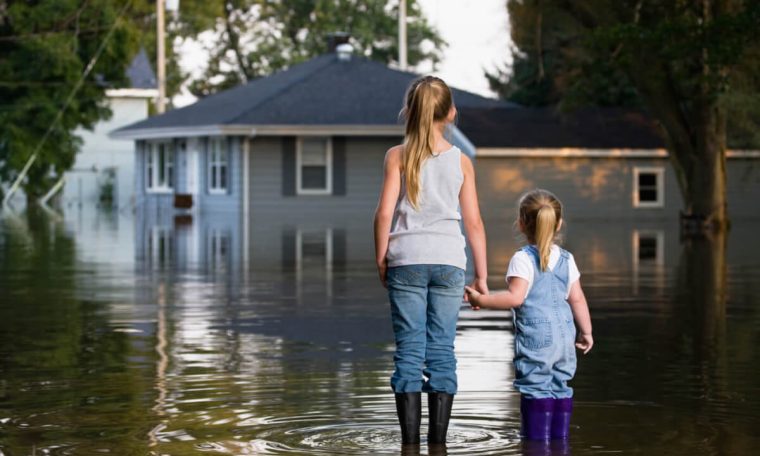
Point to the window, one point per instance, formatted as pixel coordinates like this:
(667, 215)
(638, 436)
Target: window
(314, 260)
(218, 249)
(648, 257)
(160, 247)
(314, 166)
(217, 165)
(159, 166)
(314, 250)
(648, 187)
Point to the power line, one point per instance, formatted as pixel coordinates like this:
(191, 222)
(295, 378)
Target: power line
(59, 114)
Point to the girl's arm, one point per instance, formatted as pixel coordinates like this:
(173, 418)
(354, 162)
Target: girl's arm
(473, 225)
(582, 317)
(386, 206)
(517, 288)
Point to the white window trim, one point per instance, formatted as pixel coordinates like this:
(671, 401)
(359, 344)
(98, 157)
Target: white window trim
(655, 266)
(328, 249)
(659, 236)
(329, 165)
(150, 151)
(328, 260)
(224, 147)
(215, 238)
(659, 172)
(154, 251)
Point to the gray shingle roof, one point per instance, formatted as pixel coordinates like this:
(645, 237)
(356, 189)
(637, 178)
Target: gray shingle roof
(321, 91)
(140, 73)
(592, 128)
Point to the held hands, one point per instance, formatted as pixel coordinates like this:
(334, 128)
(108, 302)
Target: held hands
(584, 342)
(475, 292)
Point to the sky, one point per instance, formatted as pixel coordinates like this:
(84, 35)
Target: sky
(477, 33)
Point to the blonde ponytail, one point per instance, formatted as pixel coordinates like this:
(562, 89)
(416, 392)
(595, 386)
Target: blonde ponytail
(546, 226)
(539, 215)
(427, 100)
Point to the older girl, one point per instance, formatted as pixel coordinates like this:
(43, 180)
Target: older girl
(420, 252)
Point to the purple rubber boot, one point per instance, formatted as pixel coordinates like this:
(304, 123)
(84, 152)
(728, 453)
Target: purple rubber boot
(536, 418)
(563, 408)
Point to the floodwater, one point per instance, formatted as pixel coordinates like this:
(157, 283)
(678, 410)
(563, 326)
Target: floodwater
(130, 334)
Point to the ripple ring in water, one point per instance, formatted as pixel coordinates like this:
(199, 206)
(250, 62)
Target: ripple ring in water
(368, 438)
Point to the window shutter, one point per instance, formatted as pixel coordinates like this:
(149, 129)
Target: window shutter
(339, 165)
(339, 249)
(228, 171)
(204, 180)
(288, 260)
(288, 166)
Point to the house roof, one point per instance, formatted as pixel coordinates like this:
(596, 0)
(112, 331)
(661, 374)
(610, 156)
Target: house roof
(140, 73)
(323, 91)
(590, 128)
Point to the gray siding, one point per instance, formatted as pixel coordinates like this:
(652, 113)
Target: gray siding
(743, 175)
(601, 187)
(364, 170)
(276, 218)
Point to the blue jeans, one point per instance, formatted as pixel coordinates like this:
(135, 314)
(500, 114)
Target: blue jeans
(425, 301)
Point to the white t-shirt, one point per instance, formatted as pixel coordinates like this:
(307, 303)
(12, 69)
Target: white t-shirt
(522, 266)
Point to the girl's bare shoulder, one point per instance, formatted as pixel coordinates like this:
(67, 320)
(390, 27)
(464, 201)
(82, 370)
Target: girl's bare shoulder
(394, 154)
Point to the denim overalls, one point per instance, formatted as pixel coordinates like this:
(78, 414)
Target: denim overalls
(545, 333)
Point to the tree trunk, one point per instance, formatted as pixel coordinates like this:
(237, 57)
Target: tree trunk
(704, 169)
(703, 280)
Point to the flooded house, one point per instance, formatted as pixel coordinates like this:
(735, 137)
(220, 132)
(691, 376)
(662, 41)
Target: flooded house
(284, 169)
(103, 171)
(609, 163)
(611, 169)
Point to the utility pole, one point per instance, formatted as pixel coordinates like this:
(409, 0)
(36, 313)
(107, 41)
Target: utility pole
(402, 60)
(162, 6)
(160, 56)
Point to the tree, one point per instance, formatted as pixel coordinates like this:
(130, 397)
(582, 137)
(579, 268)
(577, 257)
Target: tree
(45, 47)
(547, 71)
(686, 62)
(257, 37)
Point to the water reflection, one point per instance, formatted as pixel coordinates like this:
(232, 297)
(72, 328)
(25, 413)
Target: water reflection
(164, 334)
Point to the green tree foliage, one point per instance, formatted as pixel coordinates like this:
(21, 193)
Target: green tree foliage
(253, 38)
(45, 47)
(548, 69)
(692, 65)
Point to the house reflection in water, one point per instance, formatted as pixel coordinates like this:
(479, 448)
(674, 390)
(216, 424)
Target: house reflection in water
(187, 242)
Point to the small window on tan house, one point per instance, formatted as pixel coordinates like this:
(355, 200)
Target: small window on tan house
(648, 187)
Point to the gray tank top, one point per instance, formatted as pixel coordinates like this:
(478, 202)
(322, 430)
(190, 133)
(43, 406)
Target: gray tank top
(432, 234)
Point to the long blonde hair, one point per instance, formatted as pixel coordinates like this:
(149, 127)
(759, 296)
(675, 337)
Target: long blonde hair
(539, 216)
(427, 100)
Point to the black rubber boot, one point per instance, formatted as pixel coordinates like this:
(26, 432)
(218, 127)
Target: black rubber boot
(439, 409)
(409, 410)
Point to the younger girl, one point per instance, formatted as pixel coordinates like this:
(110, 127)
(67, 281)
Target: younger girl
(545, 292)
(420, 255)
